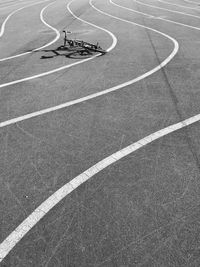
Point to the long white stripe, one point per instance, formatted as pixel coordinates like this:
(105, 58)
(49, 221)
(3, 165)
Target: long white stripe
(191, 2)
(7, 245)
(166, 9)
(70, 65)
(15, 11)
(12, 5)
(168, 3)
(42, 47)
(117, 87)
(152, 16)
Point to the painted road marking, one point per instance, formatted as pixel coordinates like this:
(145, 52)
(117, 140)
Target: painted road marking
(114, 42)
(15, 11)
(104, 92)
(7, 245)
(155, 17)
(9, 6)
(191, 2)
(170, 10)
(42, 47)
(168, 3)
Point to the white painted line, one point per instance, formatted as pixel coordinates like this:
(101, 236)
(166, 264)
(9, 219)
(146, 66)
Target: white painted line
(20, 2)
(42, 47)
(168, 3)
(10, 6)
(114, 42)
(155, 17)
(104, 92)
(166, 9)
(7, 245)
(191, 2)
(15, 11)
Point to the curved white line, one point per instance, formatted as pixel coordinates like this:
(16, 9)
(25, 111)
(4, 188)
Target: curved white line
(42, 47)
(7, 245)
(168, 3)
(191, 2)
(85, 60)
(12, 13)
(117, 87)
(166, 9)
(70, 65)
(10, 6)
(152, 16)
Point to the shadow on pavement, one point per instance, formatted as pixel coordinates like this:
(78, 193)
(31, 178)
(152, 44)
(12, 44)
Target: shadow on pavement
(68, 52)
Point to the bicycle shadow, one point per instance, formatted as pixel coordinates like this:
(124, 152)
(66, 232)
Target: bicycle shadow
(68, 52)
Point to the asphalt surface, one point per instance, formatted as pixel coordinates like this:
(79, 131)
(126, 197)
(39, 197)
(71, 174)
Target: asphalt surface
(143, 210)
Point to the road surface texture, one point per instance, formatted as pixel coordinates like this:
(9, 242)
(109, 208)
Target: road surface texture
(100, 154)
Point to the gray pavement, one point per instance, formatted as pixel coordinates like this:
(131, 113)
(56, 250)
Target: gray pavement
(144, 209)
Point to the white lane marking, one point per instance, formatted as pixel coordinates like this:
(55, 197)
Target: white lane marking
(114, 42)
(191, 2)
(106, 91)
(7, 245)
(168, 3)
(155, 17)
(10, 6)
(166, 9)
(42, 47)
(15, 11)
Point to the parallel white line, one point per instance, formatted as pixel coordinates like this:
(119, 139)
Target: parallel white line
(168, 3)
(42, 47)
(15, 11)
(4, 6)
(10, 6)
(152, 16)
(191, 2)
(7, 245)
(170, 10)
(114, 42)
(106, 91)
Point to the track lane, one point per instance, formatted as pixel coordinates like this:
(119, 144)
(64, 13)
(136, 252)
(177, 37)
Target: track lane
(141, 142)
(170, 10)
(73, 102)
(41, 47)
(161, 17)
(62, 67)
(16, 236)
(13, 5)
(188, 50)
(182, 6)
(193, 2)
(44, 95)
(12, 13)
